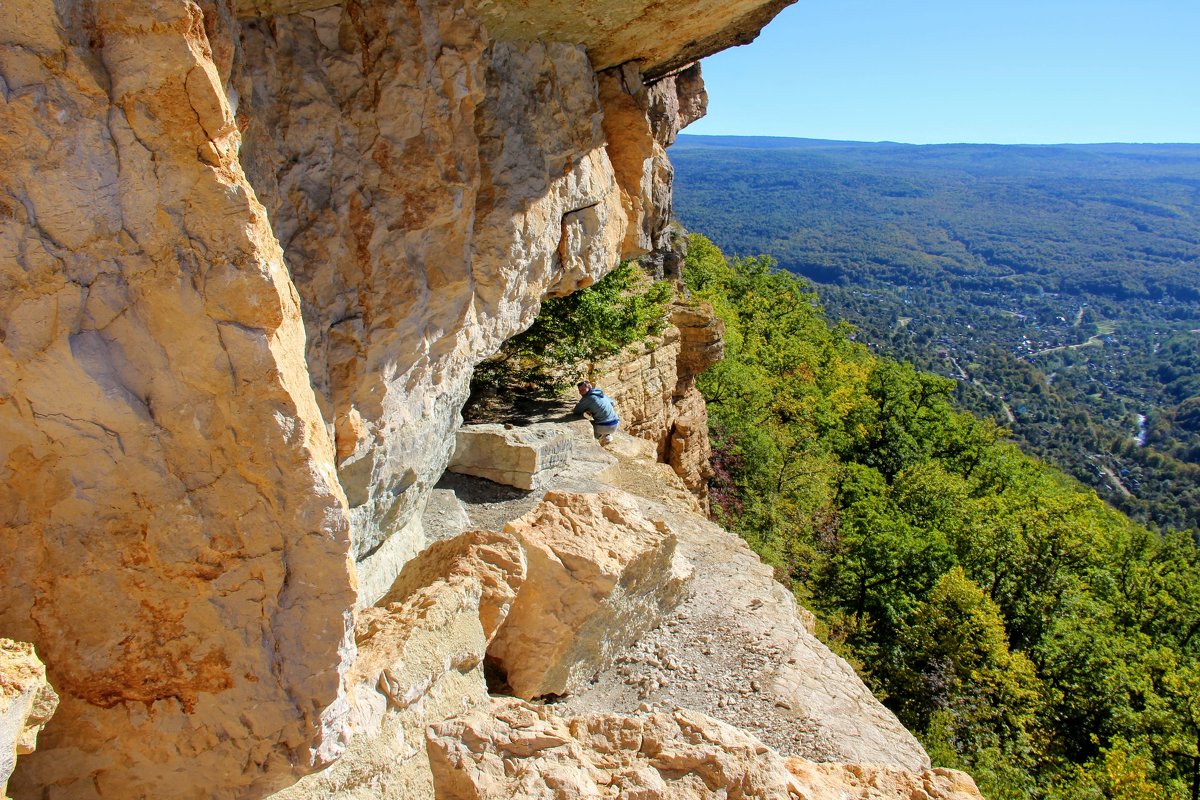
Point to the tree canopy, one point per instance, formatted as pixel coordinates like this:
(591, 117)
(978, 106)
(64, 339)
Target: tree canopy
(1024, 629)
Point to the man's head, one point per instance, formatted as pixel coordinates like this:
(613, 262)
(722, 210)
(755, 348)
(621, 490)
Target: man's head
(584, 387)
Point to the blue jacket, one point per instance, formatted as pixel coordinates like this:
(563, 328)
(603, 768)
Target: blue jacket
(598, 405)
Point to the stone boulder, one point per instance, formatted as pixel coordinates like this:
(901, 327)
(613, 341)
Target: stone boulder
(513, 749)
(519, 750)
(421, 652)
(27, 702)
(879, 782)
(600, 574)
(491, 560)
(519, 456)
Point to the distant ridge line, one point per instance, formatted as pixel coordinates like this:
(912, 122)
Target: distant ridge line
(689, 140)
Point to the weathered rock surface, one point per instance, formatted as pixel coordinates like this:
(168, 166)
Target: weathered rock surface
(173, 536)
(249, 254)
(653, 386)
(445, 516)
(663, 38)
(600, 574)
(660, 37)
(520, 456)
(429, 191)
(738, 648)
(27, 702)
(420, 660)
(493, 561)
(640, 122)
(879, 782)
(701, 339)
(516, 750)
(640, 163)
(246, 266)
(676, 101)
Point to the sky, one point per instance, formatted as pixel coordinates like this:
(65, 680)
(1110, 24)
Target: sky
(935, 71)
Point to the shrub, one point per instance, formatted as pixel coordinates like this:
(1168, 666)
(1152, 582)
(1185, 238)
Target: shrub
(623, 307)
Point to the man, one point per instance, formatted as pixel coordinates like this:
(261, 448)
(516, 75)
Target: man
(604, 417)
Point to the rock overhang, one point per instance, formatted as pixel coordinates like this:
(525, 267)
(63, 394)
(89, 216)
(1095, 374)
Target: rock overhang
(271, 317)
(662, 37)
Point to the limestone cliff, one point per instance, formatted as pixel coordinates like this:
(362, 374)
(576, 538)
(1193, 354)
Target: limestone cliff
(249, 254)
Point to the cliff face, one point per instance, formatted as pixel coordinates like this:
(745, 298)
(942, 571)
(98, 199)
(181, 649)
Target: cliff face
(174, 534)
(653, 385)
(249, 254)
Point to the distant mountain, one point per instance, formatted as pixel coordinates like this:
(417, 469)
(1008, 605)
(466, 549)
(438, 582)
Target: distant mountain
(1060, 284)
(1115, 220)
(686, 141)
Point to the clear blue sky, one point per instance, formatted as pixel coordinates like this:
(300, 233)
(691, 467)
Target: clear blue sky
(1002, 71)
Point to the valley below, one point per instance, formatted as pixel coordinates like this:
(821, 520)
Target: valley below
(1059, 285)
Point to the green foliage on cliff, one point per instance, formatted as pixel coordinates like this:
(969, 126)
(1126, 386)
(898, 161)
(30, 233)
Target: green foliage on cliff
(1060, 283)
(1026, 631)
(621, 308)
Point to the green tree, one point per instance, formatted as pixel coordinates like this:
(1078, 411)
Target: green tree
(621, 308)
(957, 662)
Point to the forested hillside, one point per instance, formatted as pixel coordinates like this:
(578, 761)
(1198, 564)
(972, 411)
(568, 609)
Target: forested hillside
(1021, 627)
(1059, 285)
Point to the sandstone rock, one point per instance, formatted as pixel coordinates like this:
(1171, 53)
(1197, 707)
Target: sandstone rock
(669, 256)
(246, 267)
(639, 161)
(701, 340)
(676, 101)
(600, 574)
(642, 119)
(614, 32)
(512, 749)
(879, 782)
(517, 750)
(173, 536)
(654, 388)
(520, 456)
(445, 516)
(27, 702)
(663, 38)
(688, 449)
(492, 560)
(430, 190)
(420, 660)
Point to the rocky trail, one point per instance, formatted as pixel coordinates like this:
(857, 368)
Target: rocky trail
(738, 648)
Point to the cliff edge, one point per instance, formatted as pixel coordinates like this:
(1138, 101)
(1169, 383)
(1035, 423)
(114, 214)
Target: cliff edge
(250, 252)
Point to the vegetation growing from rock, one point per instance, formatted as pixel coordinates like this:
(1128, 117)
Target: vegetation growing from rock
(623, 307)
(1025, 630)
